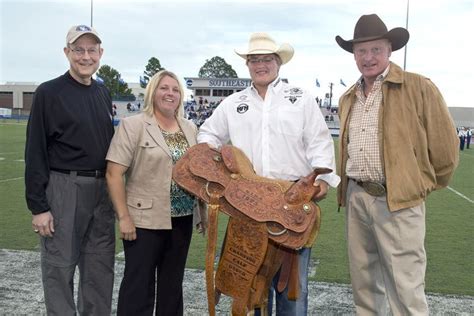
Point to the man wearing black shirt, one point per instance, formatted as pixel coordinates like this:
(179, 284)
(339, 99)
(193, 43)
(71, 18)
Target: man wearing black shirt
(68, 134)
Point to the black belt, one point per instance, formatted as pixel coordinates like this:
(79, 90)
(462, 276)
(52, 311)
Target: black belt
(373, 188)
(83, 173)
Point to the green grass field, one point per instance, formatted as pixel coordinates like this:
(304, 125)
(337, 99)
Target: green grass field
(449, 236)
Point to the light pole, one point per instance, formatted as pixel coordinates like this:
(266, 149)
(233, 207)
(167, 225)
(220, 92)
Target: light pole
(405, 57)
(330, 94)
(92, 12)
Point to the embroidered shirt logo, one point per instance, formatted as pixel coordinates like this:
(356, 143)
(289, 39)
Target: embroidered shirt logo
(292, 99)
(295, 91)
(293, 94)
(242, 108)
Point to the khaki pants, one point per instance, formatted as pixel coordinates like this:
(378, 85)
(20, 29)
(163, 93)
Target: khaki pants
(386, 255)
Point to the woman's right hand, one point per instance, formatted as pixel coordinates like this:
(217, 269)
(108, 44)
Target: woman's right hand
(127, 228)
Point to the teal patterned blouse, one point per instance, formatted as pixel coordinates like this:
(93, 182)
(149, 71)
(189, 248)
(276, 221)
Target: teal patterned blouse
(182, 203)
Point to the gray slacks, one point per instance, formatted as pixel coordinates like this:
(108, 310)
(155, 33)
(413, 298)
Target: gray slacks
(84, 236)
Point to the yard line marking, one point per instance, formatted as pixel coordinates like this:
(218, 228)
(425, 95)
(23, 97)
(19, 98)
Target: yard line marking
(461, 195)
(12, 179)
(11, 152)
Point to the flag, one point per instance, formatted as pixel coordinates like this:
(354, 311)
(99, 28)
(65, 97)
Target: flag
(342, 82)
(142, 81)
(99, 79)
(317, 83)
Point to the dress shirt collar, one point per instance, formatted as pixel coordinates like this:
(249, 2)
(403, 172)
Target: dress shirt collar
(275, 86)
(381, 77)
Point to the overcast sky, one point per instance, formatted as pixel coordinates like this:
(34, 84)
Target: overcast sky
(183, 34)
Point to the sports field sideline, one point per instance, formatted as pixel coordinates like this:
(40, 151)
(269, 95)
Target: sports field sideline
(449, 236)
(21, 292)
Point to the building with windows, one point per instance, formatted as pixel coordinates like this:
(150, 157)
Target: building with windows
(462, 116)
(215, 89)
(17, 96)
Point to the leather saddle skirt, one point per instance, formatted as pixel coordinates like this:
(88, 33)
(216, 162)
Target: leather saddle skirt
(292, 219)
(269, 220)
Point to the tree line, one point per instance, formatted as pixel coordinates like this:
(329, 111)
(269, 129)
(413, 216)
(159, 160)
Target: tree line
(216, 67)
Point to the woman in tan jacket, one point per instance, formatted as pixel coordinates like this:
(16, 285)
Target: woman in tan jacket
(155, 216)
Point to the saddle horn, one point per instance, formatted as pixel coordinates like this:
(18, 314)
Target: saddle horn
(303, 189)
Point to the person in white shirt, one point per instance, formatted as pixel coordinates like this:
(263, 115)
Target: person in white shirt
(281, 130)
(462, 134)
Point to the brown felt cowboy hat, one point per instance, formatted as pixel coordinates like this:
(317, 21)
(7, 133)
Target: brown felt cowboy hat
(262, 43)
(370, 28)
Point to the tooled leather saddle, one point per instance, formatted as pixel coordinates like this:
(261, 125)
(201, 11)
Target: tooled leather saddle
(268, 221)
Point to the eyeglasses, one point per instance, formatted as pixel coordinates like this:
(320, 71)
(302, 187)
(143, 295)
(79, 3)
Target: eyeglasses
(265, 60)
(375, 51)
(79, 51)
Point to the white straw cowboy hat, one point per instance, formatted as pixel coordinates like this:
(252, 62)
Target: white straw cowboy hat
(262, 43)
(371, 28)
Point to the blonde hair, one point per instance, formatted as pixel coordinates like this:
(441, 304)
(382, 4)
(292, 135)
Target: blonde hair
(151, 88)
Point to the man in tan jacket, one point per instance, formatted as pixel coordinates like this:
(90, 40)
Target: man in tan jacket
(398, 143)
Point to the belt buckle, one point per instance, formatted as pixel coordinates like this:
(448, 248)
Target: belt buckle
(373, 188)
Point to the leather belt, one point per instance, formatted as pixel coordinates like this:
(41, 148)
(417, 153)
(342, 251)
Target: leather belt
(83, 173)
(372, 188)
